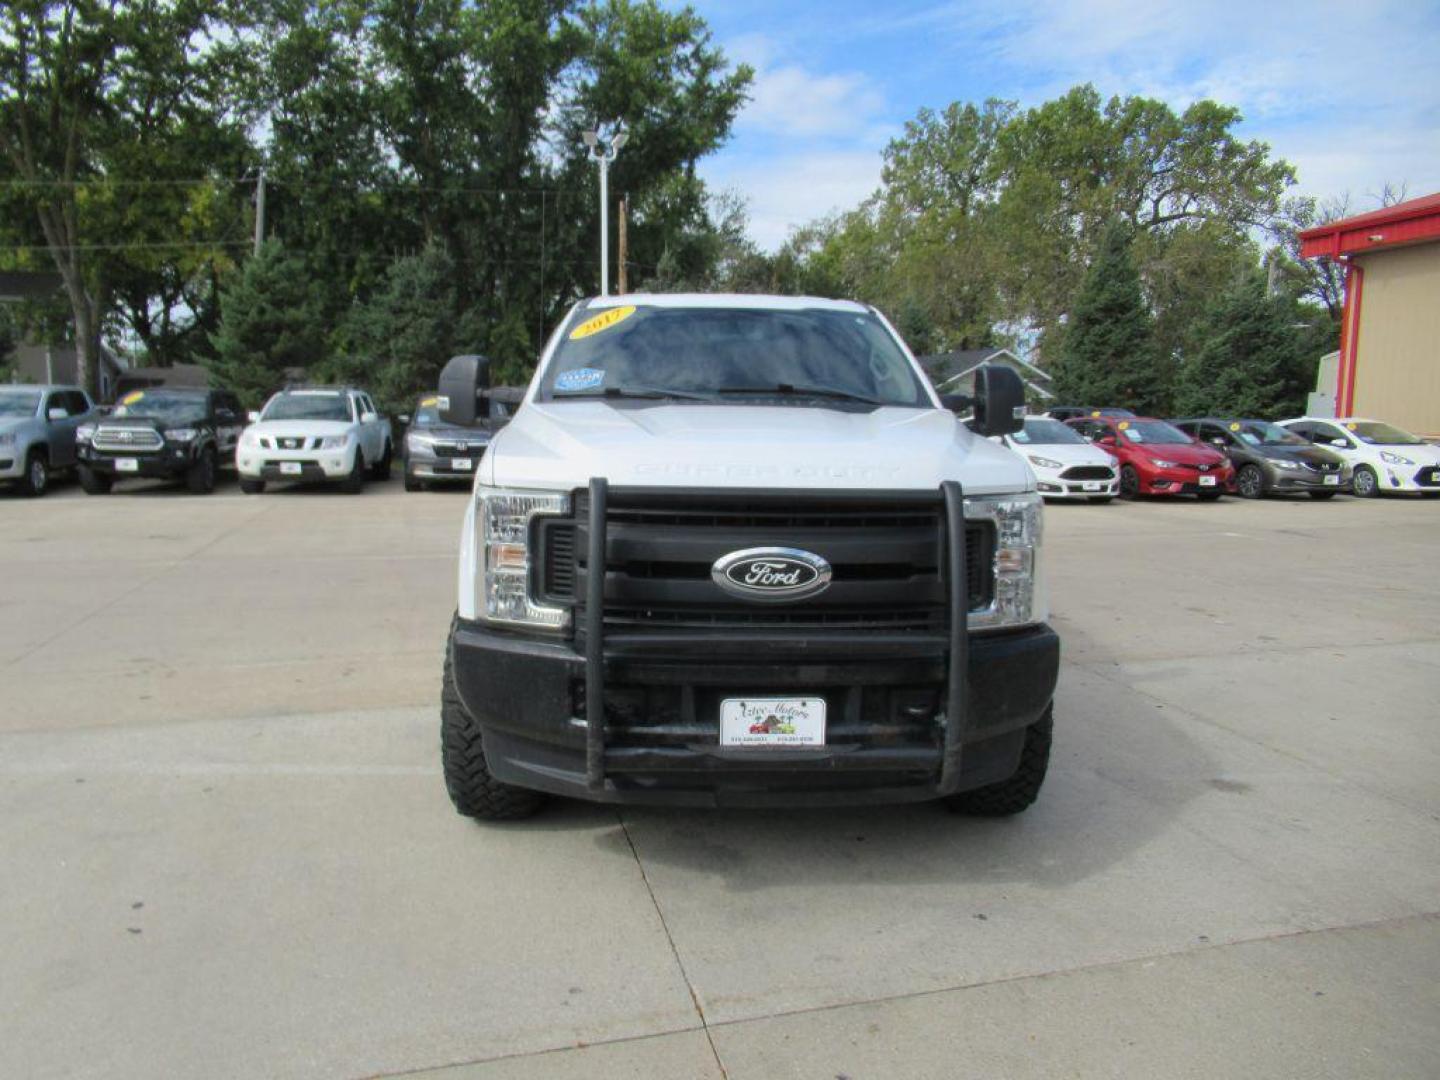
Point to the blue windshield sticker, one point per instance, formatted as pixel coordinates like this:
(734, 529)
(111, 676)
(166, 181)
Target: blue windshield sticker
(584, 378)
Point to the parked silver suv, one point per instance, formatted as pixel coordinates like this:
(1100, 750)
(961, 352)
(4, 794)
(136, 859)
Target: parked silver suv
(37, 432)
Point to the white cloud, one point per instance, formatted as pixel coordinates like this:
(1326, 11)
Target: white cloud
(795, 188)
(794, 101)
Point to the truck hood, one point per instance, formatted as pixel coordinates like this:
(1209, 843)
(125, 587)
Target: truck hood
(304, 428)
(561, 445)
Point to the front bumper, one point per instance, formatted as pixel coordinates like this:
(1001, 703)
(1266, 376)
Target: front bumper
(1411, 478)
(167, 463)
(885, 691)
(1057, 488)
(315, 465)
(1185, 482)
(425, 464)
(1305, 480)
(12, 464)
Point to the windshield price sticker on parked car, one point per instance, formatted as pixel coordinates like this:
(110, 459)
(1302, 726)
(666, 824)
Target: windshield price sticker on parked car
(772, 722)
(603, 321)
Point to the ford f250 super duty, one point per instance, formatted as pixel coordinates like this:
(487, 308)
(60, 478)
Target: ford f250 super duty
(734, 550)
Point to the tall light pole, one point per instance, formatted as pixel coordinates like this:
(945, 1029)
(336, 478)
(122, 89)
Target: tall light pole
(604, 153)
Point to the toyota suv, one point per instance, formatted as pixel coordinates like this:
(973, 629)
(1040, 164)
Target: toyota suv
(735, 550)
(314, 435)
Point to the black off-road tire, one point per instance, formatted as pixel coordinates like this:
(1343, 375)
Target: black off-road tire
(1367, 484)
(472, 789)
(354, 484)
(1019, 791)
(1322, 494)
(1250, 483)
(200, 477)
(382, 467)
(36, 480)
(95, 483)
(251, 487)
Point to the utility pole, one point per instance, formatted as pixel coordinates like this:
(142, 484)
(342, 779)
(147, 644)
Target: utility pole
(621, 278)
(604, 154)
(259, 211)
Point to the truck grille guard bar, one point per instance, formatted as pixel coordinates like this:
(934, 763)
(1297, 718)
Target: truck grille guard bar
(957, 690)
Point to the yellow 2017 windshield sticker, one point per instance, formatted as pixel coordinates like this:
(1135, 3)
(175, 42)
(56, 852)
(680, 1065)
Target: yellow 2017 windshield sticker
(132, 397)
(604, 321)
(427, 402)
(1234, 427)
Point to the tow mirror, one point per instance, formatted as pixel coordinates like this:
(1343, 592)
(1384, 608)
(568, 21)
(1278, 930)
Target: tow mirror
(462, 382)
(999, 400)
(956, 403)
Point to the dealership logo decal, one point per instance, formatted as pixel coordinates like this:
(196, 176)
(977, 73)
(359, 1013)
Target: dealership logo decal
(771, 573)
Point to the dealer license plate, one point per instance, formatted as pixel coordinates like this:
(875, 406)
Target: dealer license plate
(127, 464)
(1090, 485)
(462, 464)
(1207, 481)
(1333, 481)
(291, 468)
(772, 722)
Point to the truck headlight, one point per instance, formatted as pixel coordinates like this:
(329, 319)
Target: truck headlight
(334, 442)
(1018, 598)
(83, 434)
(503, 519)
(183, 434)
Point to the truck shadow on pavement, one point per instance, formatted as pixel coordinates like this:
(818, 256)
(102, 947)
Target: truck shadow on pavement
(1118, 777)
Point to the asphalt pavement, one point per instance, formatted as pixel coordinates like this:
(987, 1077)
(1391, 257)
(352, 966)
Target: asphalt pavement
(226, 850)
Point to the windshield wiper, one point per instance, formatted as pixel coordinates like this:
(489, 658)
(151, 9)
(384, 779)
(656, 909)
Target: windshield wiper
(651, 392)
(794, 390)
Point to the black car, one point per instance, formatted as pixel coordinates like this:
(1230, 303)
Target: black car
(168, 433)
(1070, 412)
(435, 451)
(1270, 460)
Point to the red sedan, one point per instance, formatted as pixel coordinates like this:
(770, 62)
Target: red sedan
(1157, 458)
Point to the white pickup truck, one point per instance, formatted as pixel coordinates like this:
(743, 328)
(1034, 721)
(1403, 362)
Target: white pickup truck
(734, 550)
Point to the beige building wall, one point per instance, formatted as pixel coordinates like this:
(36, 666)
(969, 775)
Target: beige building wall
(1397, 374)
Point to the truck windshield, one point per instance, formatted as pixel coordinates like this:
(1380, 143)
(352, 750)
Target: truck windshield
(18, 403)
(158, 405)
(742, 355)
(300, 405)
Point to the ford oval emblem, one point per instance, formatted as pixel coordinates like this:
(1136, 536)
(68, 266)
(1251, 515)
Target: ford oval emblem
(771, 573)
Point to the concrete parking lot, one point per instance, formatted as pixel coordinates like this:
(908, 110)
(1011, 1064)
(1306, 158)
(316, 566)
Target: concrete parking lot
(226, 851)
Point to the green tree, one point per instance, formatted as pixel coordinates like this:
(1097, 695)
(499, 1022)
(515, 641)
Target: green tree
(1254, 359)
(269, 322)
(98, 101)
(1109, 356)
(397, 342)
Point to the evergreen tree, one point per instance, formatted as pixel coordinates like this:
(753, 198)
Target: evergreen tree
(1252, 360)
(396, 343)
(1109, 345)
(270, 320)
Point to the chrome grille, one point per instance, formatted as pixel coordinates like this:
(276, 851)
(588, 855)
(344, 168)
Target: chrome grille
(123, 439)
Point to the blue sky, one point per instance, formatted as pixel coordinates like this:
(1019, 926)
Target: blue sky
(1347, 92)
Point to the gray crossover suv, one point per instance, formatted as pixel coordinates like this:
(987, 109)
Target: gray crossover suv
(37, 432)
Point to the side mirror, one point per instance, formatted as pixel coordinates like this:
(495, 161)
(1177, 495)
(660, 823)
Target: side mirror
(999, 400)
(404, 419)
(252, 416)
(368, 418)
(57, 413)
(462, 382)
(956, 403)
(1218, 440)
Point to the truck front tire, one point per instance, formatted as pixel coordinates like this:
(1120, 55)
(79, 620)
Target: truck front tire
(1020, 790)
(200, 477)
(472, 789)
